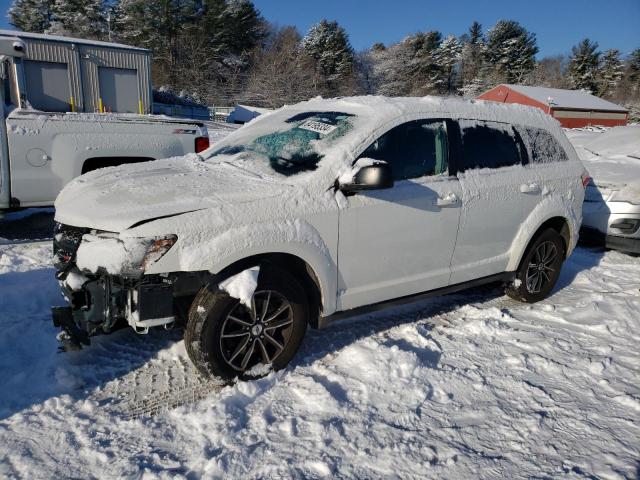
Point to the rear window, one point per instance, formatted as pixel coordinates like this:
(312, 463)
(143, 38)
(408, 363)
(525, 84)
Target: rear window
(542, 146)
(488, 145)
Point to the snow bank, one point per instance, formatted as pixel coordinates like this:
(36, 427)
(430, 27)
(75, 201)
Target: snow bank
(242, 285)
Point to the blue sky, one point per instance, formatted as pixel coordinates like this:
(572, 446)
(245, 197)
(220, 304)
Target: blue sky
(559, 24)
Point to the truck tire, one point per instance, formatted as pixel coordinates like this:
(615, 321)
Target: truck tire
(539, 269)
(227, 340)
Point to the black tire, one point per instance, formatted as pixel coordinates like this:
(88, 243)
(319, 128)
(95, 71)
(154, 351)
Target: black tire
(216, 327)
(539, 269)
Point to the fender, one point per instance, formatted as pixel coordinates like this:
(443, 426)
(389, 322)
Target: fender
(294, 237)
(547, 209)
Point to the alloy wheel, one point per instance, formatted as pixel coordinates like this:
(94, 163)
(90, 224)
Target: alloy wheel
(540, 270)
(258, 334)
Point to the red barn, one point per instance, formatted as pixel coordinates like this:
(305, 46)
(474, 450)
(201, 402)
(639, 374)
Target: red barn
(572, 108)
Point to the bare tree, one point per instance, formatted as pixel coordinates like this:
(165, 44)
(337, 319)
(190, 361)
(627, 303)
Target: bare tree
(283, 73)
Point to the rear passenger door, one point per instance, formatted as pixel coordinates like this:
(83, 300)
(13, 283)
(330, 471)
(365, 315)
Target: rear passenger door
(498, 195)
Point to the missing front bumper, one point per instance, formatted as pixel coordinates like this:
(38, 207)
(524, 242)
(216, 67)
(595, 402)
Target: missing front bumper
(104, 303)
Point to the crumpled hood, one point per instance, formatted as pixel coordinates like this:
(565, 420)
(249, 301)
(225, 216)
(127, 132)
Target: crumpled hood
(114, 199)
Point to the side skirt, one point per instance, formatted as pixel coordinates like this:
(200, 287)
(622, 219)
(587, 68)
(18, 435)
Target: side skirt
(324, 322)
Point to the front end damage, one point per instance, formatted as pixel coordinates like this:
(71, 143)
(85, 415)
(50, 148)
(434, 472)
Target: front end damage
(99, 300)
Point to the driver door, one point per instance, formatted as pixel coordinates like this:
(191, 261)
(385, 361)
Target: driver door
(400, 241)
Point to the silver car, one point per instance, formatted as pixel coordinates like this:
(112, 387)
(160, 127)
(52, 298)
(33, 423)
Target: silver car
(611, 212)
(611, 216)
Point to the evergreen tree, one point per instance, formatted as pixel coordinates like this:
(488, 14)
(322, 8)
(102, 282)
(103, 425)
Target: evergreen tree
(610, 73)
(475, 33)
(31, 15)
(328, 44)
(632, 71)
(80, 18)
(583, 65)
(510, 50)
(158, 25)
(447, 58)
(472, 76)
(423, 71)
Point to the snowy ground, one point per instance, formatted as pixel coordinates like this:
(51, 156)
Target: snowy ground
(463, 386)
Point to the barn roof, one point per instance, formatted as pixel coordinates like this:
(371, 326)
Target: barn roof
(566, 99)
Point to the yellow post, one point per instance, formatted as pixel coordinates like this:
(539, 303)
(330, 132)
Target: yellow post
(140, 106)
(100, 106)
(73, 105)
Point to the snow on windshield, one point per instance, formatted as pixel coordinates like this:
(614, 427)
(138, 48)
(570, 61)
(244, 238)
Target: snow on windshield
(290, 146)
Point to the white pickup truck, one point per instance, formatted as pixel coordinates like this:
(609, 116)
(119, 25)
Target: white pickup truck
(50, 87)
(41, 152)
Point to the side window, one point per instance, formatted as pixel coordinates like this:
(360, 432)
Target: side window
(488, 145)
(414, 149)
(542, 146)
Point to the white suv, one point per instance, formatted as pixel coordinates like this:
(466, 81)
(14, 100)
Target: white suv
(314, 210)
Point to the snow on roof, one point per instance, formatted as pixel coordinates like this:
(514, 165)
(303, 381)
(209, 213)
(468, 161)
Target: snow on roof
(260, 110)
(380, 109)
(58, 38)
(561, 98)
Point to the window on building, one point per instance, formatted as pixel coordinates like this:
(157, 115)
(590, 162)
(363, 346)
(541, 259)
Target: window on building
(414, 149)
(47, 85)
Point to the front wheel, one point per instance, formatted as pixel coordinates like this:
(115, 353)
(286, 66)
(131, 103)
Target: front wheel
(226, 339)
(539, 269)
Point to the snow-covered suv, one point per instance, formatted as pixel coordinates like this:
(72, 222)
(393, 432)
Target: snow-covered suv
(314, 210)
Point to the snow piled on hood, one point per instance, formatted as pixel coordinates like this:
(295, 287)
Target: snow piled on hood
(113, 199)
(611, 156)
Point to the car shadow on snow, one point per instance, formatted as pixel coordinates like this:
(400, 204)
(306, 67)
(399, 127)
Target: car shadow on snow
(580, 260)
(28, 224)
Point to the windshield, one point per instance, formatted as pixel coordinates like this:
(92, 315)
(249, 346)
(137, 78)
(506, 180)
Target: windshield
(293, 146)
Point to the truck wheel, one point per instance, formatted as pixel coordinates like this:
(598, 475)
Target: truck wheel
(539, 269)
(226, 339)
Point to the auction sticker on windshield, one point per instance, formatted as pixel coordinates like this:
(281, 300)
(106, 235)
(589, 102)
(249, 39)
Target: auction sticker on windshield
(318, 127)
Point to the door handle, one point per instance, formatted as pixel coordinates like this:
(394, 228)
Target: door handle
(530, 188)
(448, 200)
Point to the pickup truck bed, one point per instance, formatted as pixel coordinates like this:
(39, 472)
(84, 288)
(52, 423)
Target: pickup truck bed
(47, 150)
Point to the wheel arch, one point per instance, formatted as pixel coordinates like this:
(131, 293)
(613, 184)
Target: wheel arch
(559, 223)
(300, 268)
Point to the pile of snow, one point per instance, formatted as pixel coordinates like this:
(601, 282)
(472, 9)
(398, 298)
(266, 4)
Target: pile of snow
(449, 387)
(242, 285)
(116, 255)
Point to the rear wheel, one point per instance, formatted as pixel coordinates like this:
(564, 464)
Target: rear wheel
(539, 269)
(226, 339)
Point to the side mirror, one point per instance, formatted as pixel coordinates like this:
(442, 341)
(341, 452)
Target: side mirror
(370, 177)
